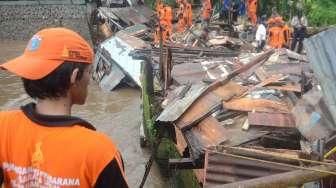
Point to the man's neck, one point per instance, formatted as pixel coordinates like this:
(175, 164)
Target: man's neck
(61, 106)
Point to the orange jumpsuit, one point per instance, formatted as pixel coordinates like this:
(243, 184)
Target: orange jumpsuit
(189, 14)
(165, 33)
(181, 24)
(165, 16)
(206, 9)
(252, 11)
(276, 37)
(168, 18)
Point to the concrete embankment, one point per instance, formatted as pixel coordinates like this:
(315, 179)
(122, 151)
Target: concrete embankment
(19, 22)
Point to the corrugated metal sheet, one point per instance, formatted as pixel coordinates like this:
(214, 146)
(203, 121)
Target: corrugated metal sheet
(197, 72)
(117, 49)
(221, 168)
(322, 55)
(177, 107)
(108, 74)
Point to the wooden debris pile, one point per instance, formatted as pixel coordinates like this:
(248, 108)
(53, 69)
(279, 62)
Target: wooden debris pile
(239, 110)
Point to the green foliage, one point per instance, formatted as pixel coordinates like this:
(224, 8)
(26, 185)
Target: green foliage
(318, 12)
(321, 12)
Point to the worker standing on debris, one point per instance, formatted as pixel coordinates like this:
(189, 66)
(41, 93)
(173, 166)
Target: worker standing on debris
(181, 24)
(261, 34)
(184, 15)
(252, 11)
(235, 11)
(164, 28)
(188, 13)
(242, 8)
(49, 146)
(299, 23)
(226, 9)
(206, 12)
(276, 35)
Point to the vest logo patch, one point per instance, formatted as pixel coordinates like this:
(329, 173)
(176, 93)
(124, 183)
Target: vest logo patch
(37, 158)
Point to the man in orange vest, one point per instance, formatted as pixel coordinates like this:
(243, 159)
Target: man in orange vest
(181, 15)
(276, 35)
(252, 11)
(168, 19)
(206, 12)
(188, 15)
(42, 144)
(165, 27)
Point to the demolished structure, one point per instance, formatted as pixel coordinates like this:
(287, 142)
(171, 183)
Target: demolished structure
(237, 118)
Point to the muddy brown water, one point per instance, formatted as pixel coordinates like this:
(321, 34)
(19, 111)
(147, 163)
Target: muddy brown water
(115, 113)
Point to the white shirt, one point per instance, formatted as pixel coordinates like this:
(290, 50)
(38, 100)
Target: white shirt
(261, 33)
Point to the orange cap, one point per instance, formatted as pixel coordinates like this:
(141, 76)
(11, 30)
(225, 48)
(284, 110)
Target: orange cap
(47, 50)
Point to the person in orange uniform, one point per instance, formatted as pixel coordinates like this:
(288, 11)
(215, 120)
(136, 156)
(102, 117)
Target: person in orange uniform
(252, 11)
(188, 12)
(42, 144)
(165, 18)
(276, 35)
(182, 22)
(206, 12)
(159, 6)
(169, 18)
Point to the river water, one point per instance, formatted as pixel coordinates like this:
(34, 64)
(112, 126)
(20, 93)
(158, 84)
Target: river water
(115, 113)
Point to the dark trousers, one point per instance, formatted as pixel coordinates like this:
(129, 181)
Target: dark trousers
(299, 42)
(299, 35)
(261, 45)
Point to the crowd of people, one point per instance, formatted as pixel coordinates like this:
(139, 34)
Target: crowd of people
(273, 31)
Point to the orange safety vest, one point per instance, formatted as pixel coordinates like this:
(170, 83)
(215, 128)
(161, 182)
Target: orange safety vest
(33, 155)
(276, 37)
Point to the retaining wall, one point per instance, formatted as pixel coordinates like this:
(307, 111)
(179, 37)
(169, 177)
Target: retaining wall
(20, 22)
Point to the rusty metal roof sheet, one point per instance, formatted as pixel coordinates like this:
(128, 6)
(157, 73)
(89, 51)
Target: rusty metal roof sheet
(221, 168)
(271, 119)
(322, 55)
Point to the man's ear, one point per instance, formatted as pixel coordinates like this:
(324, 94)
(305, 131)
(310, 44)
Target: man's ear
(73, 77)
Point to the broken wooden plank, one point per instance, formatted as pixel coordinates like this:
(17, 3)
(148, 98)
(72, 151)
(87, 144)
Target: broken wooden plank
(181, 143)
(207, 133)
(257, 105)
(287, 68)
(275, 155)
(287, 87)
(271, 119)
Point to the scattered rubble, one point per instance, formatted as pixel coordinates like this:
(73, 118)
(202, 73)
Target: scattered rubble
(241, 118)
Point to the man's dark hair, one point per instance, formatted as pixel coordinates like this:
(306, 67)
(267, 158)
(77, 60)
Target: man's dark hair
(56, 84)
